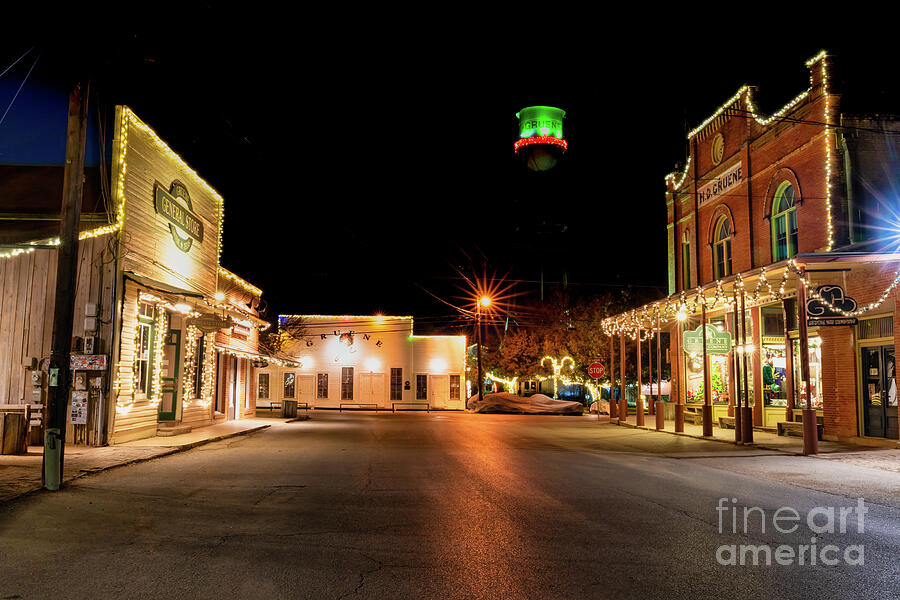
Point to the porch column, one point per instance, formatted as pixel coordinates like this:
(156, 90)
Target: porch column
(677, 357)
(707, 393)
(810, 431)
(613, 405)
(729, 326)
(639, 402)
(756, 342)
(623, 403)
(746, 410)
(735, 365)
(660, 410)
(651, 405)
(787, 311)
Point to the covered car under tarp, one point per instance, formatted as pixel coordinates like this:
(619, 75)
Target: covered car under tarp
(538, 404)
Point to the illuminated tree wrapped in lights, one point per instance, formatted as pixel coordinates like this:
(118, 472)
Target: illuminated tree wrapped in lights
(541, 143)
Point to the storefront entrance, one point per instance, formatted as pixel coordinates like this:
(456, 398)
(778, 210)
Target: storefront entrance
(169, 375)
(879, 392)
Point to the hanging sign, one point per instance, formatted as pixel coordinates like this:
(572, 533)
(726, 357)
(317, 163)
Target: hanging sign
(209, 322)
(820, 314)
(717, 342)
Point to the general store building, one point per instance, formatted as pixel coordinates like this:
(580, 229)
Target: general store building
(165, 338)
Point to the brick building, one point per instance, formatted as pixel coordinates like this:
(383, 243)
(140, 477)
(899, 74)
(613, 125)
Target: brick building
(762, 205)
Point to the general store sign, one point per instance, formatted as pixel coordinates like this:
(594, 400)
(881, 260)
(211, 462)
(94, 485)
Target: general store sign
(721, 184)
(183, 223)
(717, 342)
(207, 323)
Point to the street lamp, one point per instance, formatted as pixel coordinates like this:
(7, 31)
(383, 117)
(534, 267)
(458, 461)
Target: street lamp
(485, 302)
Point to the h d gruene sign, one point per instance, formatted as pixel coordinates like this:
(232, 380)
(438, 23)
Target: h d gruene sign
(717, 342)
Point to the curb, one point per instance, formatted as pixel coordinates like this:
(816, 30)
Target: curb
(709, 439)
(164, 453)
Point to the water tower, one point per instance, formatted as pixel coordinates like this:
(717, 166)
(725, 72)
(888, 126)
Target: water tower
(541, 143)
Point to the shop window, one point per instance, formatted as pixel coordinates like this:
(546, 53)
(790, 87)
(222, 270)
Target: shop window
(774, 375)
(722, 248)
(815, 374)
(289, 384)
(262, 391)
(718, 375)
(396, 384)
(878, 327)
(454, 387)
(784, 223)
(322, 386)
(144, 348)
(347, 383)
(421, 387)
(772, 322)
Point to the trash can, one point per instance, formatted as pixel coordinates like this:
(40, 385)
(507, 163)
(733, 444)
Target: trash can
(290, 409)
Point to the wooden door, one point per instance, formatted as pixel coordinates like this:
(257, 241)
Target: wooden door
(440, 390)
(307, 389)
(371, 388)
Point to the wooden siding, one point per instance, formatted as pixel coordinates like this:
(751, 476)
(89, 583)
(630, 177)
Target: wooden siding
(148, 246)
(27, 303)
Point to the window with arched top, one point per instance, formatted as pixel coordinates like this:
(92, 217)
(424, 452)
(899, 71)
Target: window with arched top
(784, 222)
(722, 248)
(685, 260)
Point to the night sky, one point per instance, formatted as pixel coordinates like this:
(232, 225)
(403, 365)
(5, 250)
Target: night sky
(363, 164)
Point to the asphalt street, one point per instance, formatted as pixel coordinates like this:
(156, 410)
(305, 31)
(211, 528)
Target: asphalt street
(452, 505)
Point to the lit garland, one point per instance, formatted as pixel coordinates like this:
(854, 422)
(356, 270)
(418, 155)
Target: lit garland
(240, 282)
(822, 56)
(678, 307)
(671, 176)
(208, 385)
(190, 348)
(543, 139)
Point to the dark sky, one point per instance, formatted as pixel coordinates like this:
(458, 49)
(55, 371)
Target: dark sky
(364, 160)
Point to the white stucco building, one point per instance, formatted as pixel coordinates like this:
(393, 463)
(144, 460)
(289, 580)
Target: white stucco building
(365, 362)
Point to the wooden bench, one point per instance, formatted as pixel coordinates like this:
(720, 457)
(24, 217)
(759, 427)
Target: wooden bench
(796, 428)
(726, 422)
(693, 414)
(359, 405)
(425, 404)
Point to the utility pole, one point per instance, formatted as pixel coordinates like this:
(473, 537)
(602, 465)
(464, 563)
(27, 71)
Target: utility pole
(66, 274)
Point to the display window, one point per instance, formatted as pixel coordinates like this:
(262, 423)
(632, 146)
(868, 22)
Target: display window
(774, 375)
(815, 374)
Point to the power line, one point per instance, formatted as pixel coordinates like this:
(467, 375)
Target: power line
(20, 89)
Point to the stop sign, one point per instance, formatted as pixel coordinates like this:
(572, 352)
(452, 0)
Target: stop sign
(596, 370)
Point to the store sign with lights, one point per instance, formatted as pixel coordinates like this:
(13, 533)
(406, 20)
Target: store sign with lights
(829, 311)
(209, 322)
(175, 206)
(721, 184)
(717, 342)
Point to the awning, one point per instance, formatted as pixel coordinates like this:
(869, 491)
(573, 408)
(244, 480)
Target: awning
(281, 362)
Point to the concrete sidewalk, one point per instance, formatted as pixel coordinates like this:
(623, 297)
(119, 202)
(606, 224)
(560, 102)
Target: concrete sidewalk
(761, 439)
(21, 473)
